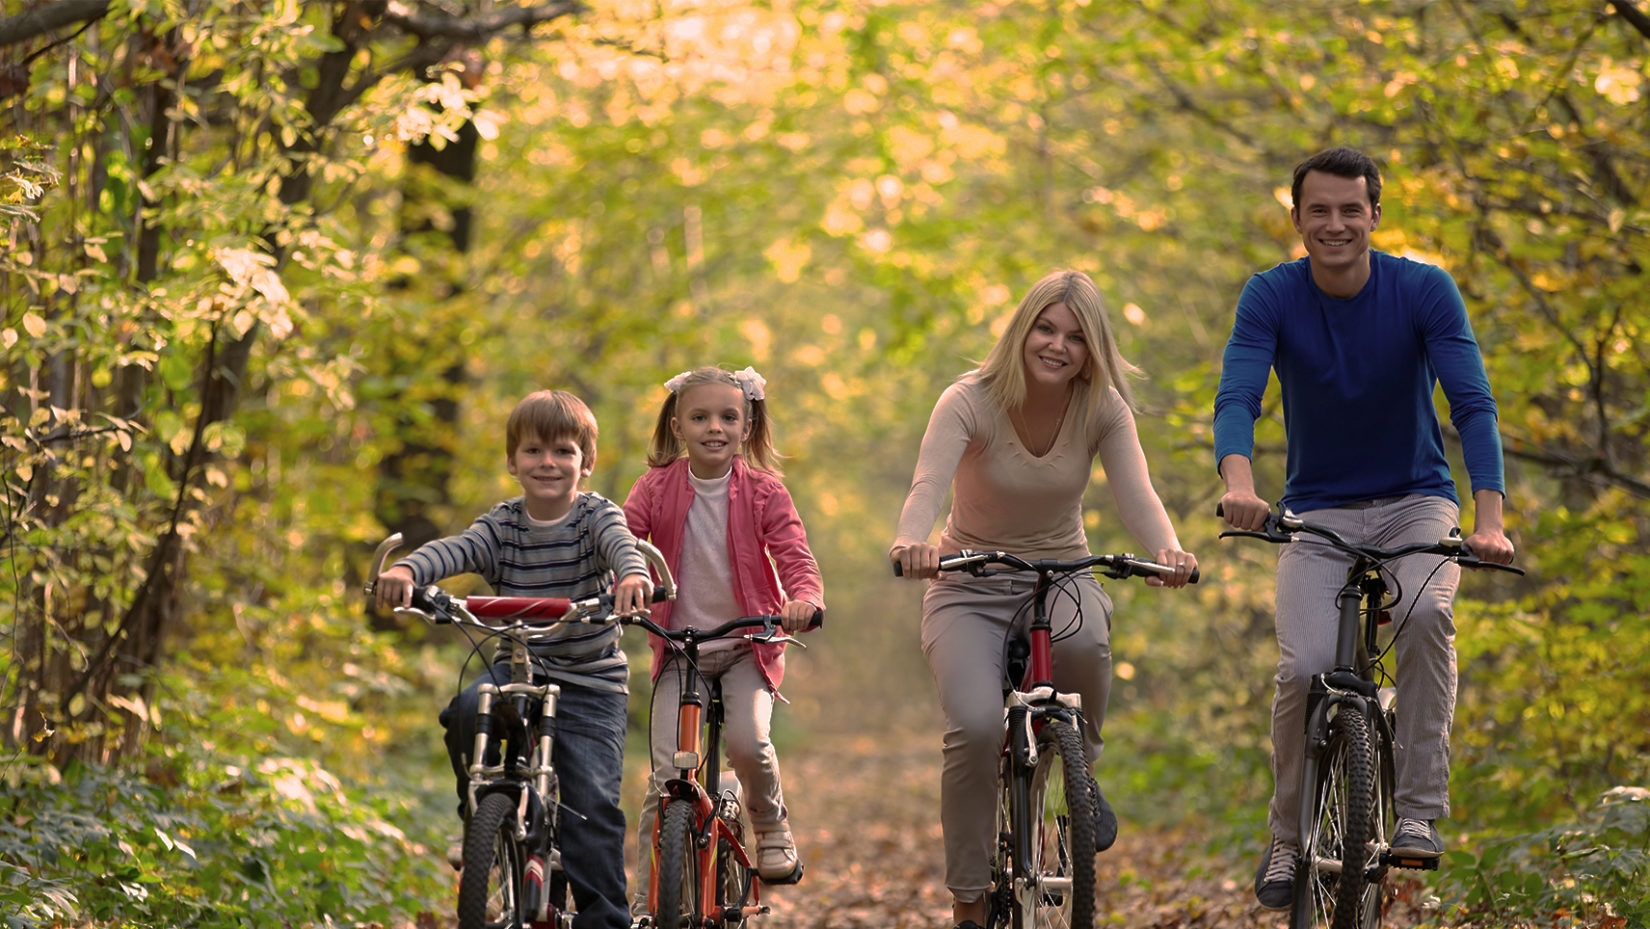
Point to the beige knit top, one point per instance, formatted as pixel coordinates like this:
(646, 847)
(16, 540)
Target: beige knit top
(1007, 499)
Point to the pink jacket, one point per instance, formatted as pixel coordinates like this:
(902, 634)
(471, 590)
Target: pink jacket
(764, 533)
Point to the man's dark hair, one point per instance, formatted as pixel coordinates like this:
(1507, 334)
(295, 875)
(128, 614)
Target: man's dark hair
(1342, 162)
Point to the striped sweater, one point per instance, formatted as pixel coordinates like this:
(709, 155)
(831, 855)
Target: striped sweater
(577, 557)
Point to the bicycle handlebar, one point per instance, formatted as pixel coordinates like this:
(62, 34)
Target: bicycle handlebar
(1281, 528)
(1114, 566)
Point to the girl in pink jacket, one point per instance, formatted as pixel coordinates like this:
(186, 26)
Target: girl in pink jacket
(734, 543)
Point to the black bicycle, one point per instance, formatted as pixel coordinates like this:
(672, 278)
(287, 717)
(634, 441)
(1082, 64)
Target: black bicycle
(1346, 812)
(511, 876)
(1043, 872)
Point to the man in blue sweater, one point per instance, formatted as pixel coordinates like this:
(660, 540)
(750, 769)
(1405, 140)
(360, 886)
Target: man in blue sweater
(1359, 340)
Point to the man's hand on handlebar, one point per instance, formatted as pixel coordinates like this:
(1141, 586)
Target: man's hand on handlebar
(1490, 545)
(1184, 563)
(1244, 510)
(631, 594)
(917, 560)
(394, 588)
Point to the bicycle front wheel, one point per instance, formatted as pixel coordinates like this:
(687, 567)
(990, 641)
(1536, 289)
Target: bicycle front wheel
(489, 889)
(1052, 821)
(1334, 888)
(677, 906)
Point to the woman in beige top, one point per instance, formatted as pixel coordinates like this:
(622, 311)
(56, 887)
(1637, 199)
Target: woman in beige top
(1016, 440)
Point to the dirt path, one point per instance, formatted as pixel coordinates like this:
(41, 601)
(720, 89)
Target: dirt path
(868, 829)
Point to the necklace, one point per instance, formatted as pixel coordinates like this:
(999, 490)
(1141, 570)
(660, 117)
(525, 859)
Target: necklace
(1039, 441)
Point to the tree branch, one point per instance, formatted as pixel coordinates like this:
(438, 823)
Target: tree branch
(28, 24)
(1634, 16)
(475, 28)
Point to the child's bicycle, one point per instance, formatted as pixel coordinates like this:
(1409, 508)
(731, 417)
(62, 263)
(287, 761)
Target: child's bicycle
(511, 876)
(702, 875)
(1346, 811)
(1043, 872)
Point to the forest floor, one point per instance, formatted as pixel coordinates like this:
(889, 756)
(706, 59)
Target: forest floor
(867, 826)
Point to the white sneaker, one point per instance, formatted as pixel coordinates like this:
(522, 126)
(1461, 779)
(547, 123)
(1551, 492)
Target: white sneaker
(776, 858)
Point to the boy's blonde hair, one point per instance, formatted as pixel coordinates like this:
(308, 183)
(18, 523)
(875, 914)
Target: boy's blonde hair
(551, 415)
(758, 446)
(1004, 370)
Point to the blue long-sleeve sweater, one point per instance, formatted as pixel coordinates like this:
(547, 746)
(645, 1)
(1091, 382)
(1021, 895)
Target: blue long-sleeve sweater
(1358, 377)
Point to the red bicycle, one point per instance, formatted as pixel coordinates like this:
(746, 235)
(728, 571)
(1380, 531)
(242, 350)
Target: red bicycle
(1043, 872)
(703, 876)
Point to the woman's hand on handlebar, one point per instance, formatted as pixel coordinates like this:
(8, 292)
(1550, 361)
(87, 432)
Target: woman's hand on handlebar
(631, 594)
(394, 588)
(1184, 563)
(1490, 545)
(916, 560)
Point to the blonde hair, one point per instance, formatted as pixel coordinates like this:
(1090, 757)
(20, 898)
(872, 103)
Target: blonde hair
(1004, 370)
(758, 445)
(551, 415)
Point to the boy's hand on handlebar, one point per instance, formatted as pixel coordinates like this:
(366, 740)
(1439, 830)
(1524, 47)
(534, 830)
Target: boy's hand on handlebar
(798, 614)
(394, 587)
(1184, 563)
(917, 560)
(1243, 510)
(631, 594)
(1490, 545)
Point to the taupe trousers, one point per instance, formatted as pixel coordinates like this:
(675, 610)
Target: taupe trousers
(965, 622)
(748, 713)
(1310, 573)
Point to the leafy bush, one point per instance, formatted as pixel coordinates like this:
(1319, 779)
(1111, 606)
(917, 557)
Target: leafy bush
(1597, 869)
(197, 842)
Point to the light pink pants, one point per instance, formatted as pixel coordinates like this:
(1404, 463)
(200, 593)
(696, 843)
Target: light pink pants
(964, 626)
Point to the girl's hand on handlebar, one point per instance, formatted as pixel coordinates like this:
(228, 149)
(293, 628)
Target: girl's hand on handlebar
(916, 560)
(394, 587)
(798, 614)
(631, 593)
(1182, 562)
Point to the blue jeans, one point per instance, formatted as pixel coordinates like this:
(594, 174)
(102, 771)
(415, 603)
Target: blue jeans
(589, 760)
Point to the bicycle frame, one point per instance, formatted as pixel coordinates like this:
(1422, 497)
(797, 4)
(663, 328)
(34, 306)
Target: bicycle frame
(515, 720)
(1035, 710)
(699, 738)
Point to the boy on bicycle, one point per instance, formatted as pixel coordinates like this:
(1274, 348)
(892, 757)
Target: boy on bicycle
(1359, 340)
(555, 541)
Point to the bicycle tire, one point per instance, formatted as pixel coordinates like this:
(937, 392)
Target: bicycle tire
(1052, 820)
(677, 906)
(1335, 867)
(489, 887)
(733, 880)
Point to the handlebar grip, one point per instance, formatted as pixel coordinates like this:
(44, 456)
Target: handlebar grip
(1196, 573)
(660, 595)
(1220, 509)
(899, 569)
(818, 619)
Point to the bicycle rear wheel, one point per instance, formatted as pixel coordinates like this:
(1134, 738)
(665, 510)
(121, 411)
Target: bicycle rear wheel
(489, 889)
(1052, 821)
(733, 879)
(1333, 888)
(677, 906)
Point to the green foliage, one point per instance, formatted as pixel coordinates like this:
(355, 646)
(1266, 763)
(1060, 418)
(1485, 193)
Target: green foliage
(192, 841)
(1594, 868)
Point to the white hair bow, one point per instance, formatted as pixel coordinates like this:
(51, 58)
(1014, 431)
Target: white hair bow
(751, 383)
(675, 383)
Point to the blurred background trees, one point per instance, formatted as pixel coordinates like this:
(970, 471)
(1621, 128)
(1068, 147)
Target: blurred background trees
(274, 273)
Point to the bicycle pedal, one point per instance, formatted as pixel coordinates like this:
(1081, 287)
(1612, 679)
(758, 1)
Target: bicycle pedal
(1415, 864)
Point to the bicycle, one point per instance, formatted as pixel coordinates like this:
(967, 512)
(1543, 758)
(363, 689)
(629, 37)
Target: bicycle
(703, 875)
(511, 875)
(1346, 813)
(1043, 872)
